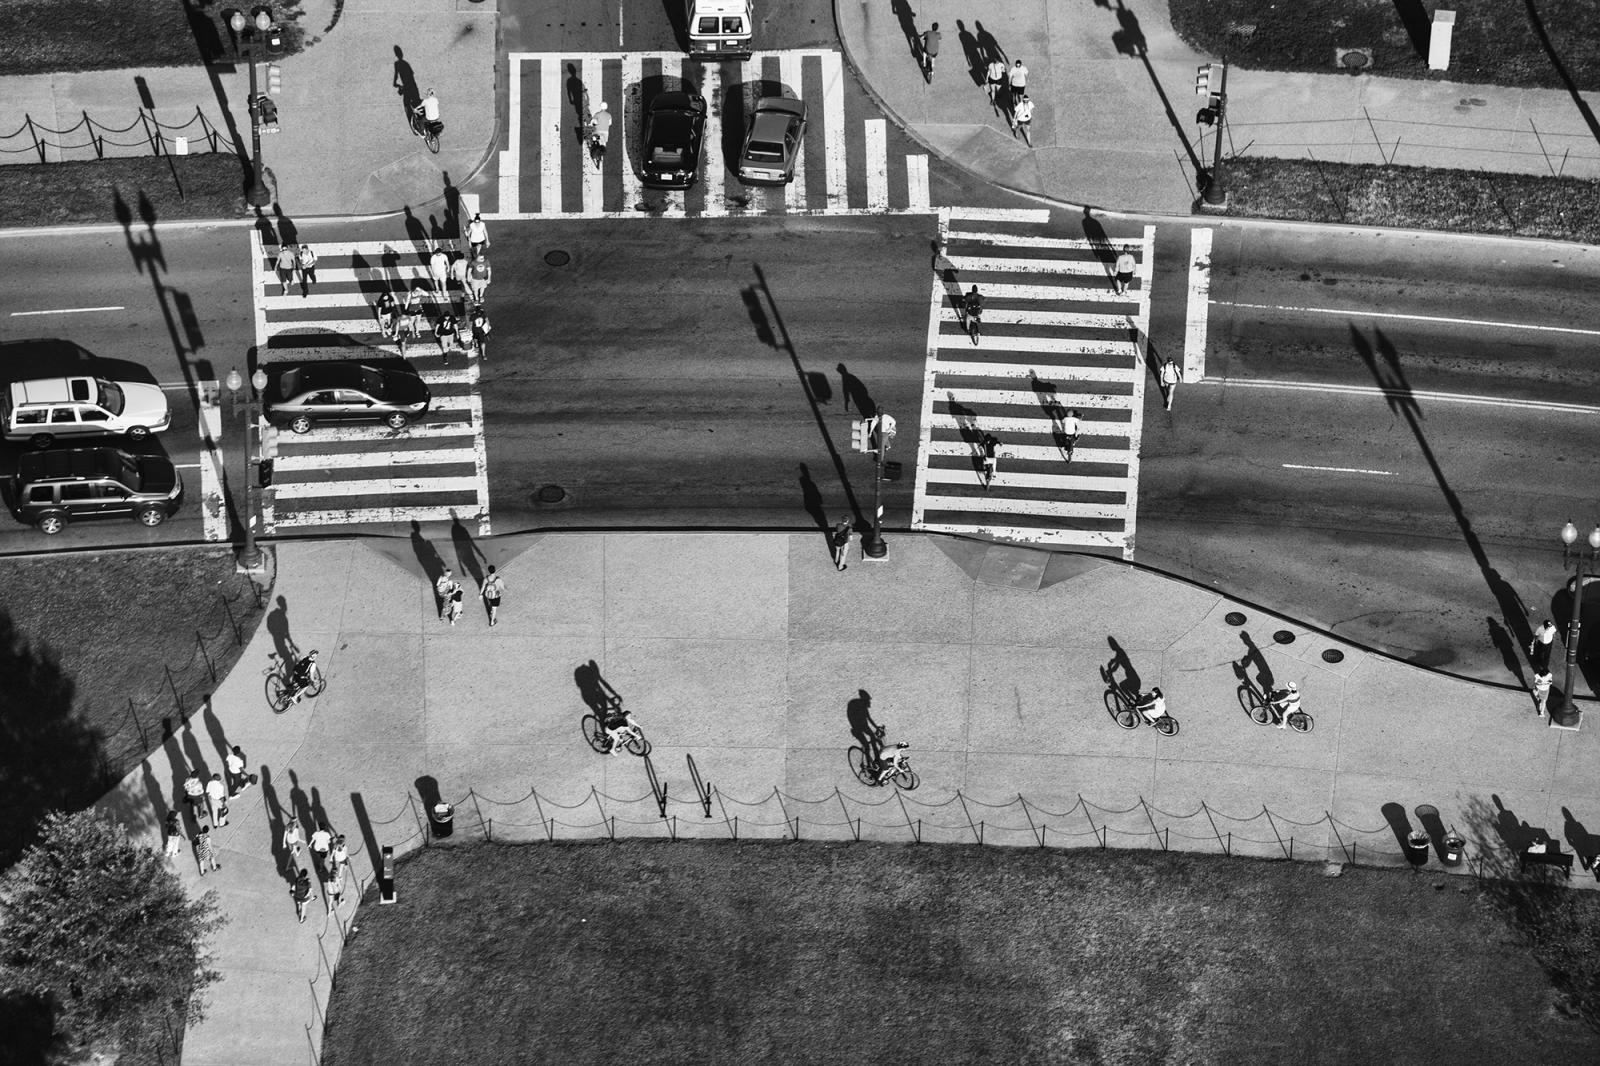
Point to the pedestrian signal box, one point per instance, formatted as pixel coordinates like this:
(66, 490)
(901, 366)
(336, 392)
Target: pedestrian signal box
(861, 436)
(274, 79)
(1203, 79)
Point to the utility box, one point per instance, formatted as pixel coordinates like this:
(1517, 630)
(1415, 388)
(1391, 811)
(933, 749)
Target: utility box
(1444, 24)
(720, 29)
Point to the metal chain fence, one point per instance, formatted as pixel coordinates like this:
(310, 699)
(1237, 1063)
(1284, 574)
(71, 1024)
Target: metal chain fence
(89, 138)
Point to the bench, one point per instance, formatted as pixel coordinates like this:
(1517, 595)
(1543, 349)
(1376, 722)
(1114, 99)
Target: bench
(1551, 856)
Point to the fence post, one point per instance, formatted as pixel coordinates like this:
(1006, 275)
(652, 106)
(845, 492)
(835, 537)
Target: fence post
(210, 667)
(1331, 825)
(594, 793)
(786, 819)
(1029, 816)
(38, 146)
(1227, 848)
(702, 790)
(95, 141)
(1094, 828)
(206, 126)
(227, 609)
(916, 829)
(1152, 819)
(482, 821)
(154, 139)
(855, 827)
(422, 825)
(977, 830)
(672, 827)
(1288, 852)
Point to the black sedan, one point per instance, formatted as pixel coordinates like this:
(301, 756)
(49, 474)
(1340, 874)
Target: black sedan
(777, 128)
(674, 127)
(299, 395)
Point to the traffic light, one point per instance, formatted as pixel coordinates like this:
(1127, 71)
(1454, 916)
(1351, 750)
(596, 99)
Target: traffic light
(1202, 80)
(269, 452)
(274, 80)
(861, 435)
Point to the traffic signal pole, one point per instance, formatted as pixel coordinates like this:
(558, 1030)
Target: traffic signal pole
(872, 545)
(1216, 192)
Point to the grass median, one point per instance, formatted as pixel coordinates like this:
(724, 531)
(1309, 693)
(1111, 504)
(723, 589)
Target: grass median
(167, 188)
(817, 953)
(61, 36)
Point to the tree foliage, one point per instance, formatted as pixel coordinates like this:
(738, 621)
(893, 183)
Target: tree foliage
(96, 930)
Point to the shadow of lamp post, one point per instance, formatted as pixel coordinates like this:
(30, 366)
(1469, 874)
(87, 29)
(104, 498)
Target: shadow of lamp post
(251, 559)
(247, 33)
(1565, 712)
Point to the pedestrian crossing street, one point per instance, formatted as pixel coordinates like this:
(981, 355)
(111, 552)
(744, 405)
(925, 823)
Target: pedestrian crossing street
(851, 163)
(337, 475)
(1055, 338)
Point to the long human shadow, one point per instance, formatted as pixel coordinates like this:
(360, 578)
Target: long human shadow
(1131, 684)
(1383, 363)
(595, 690)
(1535, 21)
(1129, 40)
(768, 322)
(1253, 658)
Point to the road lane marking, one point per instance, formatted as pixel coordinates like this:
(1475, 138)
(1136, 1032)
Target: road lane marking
(877, 134)
(1418, 394)
(1340, 469)
(64, 311)
(511, 158)
(1441, 319)
(790, 76)
(550, 149)
(1194, 322)
(833, 131)
(916, 183)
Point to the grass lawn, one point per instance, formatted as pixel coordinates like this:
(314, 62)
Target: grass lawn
(49, 194)
(100, 652)
(1496, 42)
(656, 952)
(1415, 198)
(50, 36)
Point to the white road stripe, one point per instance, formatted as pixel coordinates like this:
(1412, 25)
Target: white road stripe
(361, 460)
(374, 516)
(1340, 470)
(1032, 424)
(376, 434)
(1415, 394)
(791, 72)
(929, 377)
(1082, 538)
(833, 131)
(1361, 312)
(1064, 345)
(408, 251)
(1136, 429)
(989, 503)
(993, 316)
(1033, 215)
(593, 179)
(1194, 321)
(1091, 249)
(1075, 268)
(550, 135)
(714, 176)
(1020, 372)
(63, 311)
(917, 182)
(305, 490)
(1003, 290)
(511, 156)
(403, 272)
(877, 152)
(960, 449)
(214, 511)
(628, 136)
(1058, 482)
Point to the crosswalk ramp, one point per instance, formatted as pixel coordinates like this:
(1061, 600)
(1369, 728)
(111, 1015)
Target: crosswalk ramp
(851, 162)
(433, 470)
(1056, 340)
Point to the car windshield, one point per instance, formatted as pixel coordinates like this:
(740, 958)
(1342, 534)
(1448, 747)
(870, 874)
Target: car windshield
(111, 397)
(765, 150)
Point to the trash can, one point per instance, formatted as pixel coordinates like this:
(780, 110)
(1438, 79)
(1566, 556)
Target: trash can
(1450, 849)
(1417, 844)
(442, 817)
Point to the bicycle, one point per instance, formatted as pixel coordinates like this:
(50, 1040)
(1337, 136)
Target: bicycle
(594, 732)
(282, 692)
(865, 769)
(428, 131)
(1262, 712)
(1126, 714)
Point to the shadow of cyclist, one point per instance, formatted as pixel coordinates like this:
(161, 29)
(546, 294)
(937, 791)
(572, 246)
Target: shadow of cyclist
(596, 693)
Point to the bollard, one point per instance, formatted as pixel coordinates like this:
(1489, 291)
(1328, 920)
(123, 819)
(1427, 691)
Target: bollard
(1444, 24)
(386, 893)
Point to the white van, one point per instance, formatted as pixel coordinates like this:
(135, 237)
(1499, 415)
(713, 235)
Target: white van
(42, 411)
(720, 29)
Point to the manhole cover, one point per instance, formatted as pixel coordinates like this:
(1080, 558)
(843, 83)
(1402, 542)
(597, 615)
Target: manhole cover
(550, 494)
(1332, 655)
(557, 258)
(1353, 59)
(1283, 636)
(1234, 618)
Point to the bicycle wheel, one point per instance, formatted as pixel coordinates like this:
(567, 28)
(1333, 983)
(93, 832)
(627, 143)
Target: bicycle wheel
(1254, 705)
(595, 735)
(432, 140)
(315, 688)
(277, 693)
(907, 778)
(861, 765)
(1167, 725)
(637, 744)
(1301, 722)
(1127, 718)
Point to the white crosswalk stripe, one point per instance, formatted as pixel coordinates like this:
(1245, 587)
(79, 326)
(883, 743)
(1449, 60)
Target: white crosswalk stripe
(545, 172)
(1055, 339)
(366, 473)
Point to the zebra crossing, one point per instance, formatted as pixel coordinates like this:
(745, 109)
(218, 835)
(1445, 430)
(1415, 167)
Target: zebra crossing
(338, 475)
(850, 163)
(1055, 339)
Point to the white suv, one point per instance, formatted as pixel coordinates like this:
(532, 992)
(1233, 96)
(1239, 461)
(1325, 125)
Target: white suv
(41, 411)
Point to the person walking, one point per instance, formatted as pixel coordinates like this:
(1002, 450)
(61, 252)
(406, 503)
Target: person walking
(930, 51)
(333, 886)
(458, 278)
(174, 835)
(388, 313)
(1171, 374)
(990, 446)
(205, 852)
(443, 589)
(466, 342)
(478, 275)
(301, 893)
(293, 841)
(339, 854)
(321, 844)
(285, 266)
(480, 331)
(410, 327)
(216, 796)
(238, 776)
(840, 539)
(439, 271)
(444, 331)
(995, 78)
(1122, 272)
(194, 793)
(452, 610)
(494, 587)
(1539, 647)
(306, 260)
(1018, 77)
(1022, 118)
(1541, 690)
(477, 235)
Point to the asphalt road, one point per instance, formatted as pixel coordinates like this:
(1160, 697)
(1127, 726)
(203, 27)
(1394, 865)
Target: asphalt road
(1422, 518)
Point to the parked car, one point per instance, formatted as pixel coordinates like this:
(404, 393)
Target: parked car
(299, 395)
(772, 144)
(57, 487)
(43, 410)
(674, 128)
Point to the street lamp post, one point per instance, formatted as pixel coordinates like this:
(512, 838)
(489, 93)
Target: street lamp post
(248, 33)
(1566, 712)
(1216, 189)
(872, 545)
(251, 560)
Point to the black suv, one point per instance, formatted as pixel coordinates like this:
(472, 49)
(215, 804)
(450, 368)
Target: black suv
(673, 128)
(53, 488)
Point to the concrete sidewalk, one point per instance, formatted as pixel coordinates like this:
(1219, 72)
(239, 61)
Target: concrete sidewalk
(747, 653)
(1114, 122)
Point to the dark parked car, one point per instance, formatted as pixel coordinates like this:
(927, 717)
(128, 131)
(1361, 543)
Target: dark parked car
(54, 488)
(673, 130)
(777, 128)
(299, 395)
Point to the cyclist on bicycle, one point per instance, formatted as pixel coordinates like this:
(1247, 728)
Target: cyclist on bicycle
(620, 726)
(428, 110)
(600, 122)
(305, 674)
(1285, 702)
(1152, 705)
(891, 761)
(972, 304)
